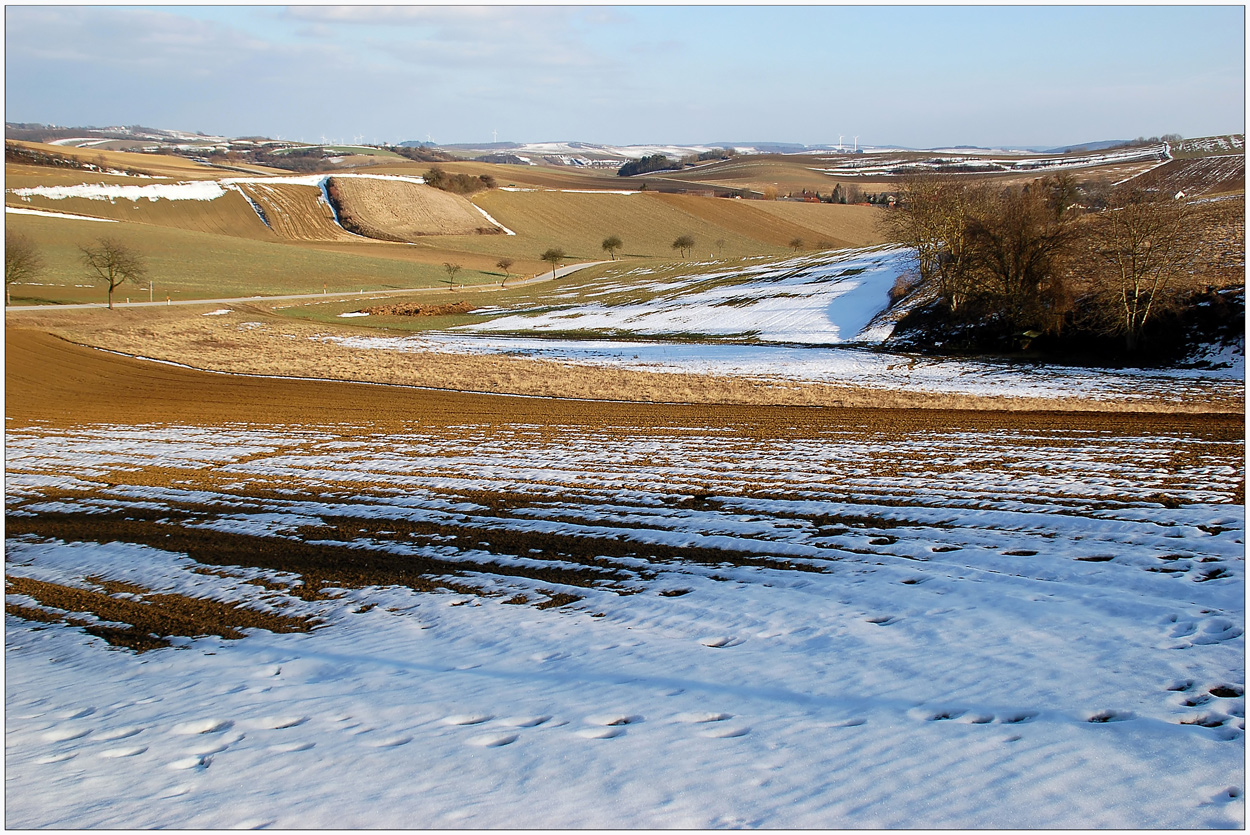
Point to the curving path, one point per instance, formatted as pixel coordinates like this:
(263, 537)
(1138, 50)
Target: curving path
(560, 272)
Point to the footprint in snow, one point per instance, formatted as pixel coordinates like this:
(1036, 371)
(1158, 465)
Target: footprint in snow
(523, 721)
(1105, 716)
(202, 726)
(65, 734)
(1229, 794)
(57, 758)
(280, 723)
(977, 718)
(493, 740)
(1017, 718)
(599, 733)
(613, 719)
(119, 733)
(191, 762)
(725, 731)
(698, 718)
(467, 719)
(718, 641)
(1216, 630)
(211, 746)
(121, 753)
(388, 741)
(291, 747)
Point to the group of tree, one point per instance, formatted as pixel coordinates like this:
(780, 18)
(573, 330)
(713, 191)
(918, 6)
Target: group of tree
(648, 164)
(683, 244)
(706, 156)
(419, 153)
(458, 183)
(1016, 263)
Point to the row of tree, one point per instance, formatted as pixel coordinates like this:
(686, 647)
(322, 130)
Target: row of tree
(1030, 259)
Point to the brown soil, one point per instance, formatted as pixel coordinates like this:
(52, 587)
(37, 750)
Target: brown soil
(147, 619)
(54, 381)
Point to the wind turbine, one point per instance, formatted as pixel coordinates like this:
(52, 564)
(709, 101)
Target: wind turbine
(857, 144)
(839, 143)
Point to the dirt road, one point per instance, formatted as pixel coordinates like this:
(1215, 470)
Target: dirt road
(538, 279)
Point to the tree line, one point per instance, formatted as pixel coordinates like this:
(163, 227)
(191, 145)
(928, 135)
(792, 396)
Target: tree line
(1010, 265)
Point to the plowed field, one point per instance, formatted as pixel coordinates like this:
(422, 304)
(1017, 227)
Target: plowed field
(296, 212)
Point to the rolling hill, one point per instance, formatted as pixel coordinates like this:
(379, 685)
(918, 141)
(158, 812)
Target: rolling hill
(379, 225)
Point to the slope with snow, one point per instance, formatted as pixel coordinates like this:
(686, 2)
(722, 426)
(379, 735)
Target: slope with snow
(935, 628)
(831, 309)
(819, 299)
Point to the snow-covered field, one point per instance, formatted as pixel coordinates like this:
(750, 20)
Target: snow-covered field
(805, 319)
(820, 299)
(835, 626)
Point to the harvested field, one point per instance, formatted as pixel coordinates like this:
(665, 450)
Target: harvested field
(49, 379)
(776, 223)
(259, 343)
(394, 210)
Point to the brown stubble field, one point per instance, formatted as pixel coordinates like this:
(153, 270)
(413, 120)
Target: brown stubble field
(256, 340)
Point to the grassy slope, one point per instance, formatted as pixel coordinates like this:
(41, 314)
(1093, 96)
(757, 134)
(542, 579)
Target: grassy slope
(185, 264)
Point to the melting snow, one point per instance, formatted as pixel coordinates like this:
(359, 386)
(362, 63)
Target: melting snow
(998, 622)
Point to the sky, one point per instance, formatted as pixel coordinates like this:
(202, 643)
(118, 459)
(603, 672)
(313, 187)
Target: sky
(915, 76)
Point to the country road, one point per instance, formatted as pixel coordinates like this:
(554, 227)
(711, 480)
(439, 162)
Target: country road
(560, 272)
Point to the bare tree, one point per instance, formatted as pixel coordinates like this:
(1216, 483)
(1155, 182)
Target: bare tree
(720, 246)
(1140, 250)
(932, 217)
(505, 264)
(451, 269)
(611, 244)
(21, 260)
(683, 243)
(553, 257)
(1019, 249)
(113, 262)
(796, 244)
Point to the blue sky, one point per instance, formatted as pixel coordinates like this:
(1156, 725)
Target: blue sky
(918, 76)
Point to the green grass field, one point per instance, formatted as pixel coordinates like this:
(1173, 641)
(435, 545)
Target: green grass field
(186, 265)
